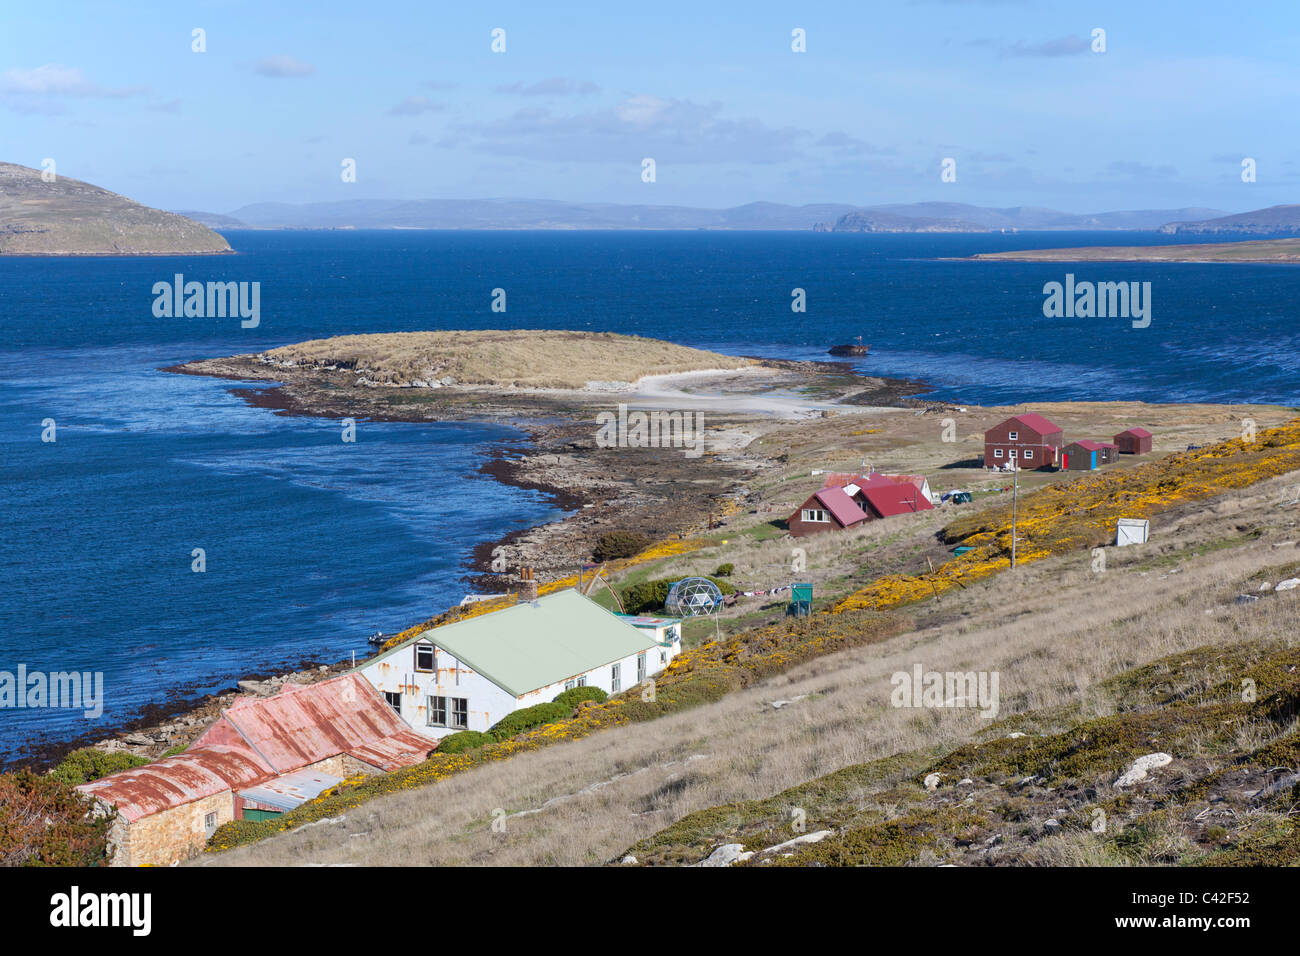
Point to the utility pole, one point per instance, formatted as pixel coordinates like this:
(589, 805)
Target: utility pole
(1015, 490)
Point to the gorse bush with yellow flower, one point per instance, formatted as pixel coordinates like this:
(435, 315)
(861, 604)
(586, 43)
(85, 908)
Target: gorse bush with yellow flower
(1082, 514)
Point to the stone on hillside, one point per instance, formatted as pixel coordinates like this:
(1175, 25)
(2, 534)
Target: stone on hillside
(932, 781)
(815, 837)
(726, 855)
(1288, 584)
(1139, 769)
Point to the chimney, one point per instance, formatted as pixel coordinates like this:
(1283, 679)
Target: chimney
(528, 590)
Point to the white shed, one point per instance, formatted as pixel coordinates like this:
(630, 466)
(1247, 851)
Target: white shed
(469, 674)
(1131, 531)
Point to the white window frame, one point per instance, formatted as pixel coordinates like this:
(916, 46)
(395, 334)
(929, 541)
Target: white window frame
(1013, 436)
(997, 452)
(388, 698)
(1011, 453)
(433, 659)
(210, 823)
(615, 677)
(448, 708)
(1028, 455)
(816, 515)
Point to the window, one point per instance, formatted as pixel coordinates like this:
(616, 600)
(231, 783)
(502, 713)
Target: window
(570, 684)
(394, 700)
(582, 681)
(615, 678)
(424, 658)
(1013, 436)
(815, 514)
(1029, 453)
(210, 823)
(455, 708)
(663, 657)
(1011, 453)
(640, 667)
(997, 452)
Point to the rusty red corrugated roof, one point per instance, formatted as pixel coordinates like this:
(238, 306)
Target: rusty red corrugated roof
(304, 724)
(172, 781)
(1139, 432)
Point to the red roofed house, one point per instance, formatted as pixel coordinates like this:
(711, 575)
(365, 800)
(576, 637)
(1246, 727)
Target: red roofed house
(1086, 454)
(827, 510)
(840, 479)
(262, 757)
(1025, 441)
(848, 500)
(1134, 441)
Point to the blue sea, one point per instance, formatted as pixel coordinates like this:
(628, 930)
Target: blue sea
(312, 543)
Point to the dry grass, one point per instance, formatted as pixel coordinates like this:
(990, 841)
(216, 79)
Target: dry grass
(515, 359)
(1053, 631)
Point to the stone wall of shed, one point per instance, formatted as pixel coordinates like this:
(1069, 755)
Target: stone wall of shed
(344, 766)
(172, 835)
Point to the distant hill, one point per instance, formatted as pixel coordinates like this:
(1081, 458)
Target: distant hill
(553, 214)
(213, 220)
(1275, 220)
(70, 218)
(1031, 217)
(527, 214)
(868, 220)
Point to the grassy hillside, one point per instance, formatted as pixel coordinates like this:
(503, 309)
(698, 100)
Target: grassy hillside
(523, 359)
(70, 218)
(1096, 668)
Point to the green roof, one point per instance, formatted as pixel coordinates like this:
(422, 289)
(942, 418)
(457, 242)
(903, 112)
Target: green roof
(531, 645)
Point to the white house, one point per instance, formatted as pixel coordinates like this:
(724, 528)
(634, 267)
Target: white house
(666, 631)
(469, 674)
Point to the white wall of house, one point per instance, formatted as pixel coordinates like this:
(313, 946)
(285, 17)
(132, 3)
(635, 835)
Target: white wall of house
(485, 702)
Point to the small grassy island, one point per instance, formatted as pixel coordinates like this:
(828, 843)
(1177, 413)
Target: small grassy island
(1254, 250)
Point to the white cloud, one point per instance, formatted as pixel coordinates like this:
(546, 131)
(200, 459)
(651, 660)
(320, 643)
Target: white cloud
(551, 86)
(55, 80)
(415, 105)
(282, 65)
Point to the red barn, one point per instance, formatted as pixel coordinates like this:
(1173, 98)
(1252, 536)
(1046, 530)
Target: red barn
(1134, 441)
(1027, 441)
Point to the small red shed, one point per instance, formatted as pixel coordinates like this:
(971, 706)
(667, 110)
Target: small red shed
(1134, 441)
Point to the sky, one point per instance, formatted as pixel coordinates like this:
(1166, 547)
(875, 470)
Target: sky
(1011, 90)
